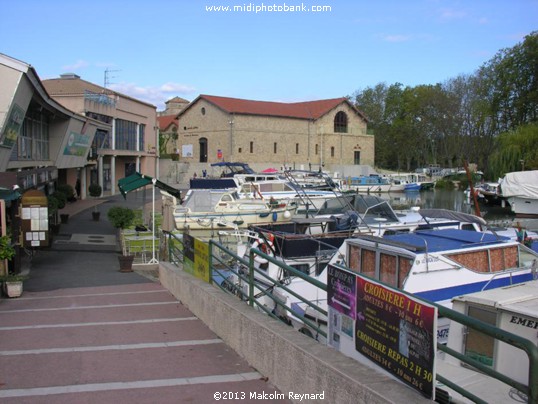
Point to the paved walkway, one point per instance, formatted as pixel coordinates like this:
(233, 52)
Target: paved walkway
(83, 332)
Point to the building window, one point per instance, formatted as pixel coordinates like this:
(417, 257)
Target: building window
(141, 136)
(357, 157)
(296, 148)
(126, 135)
(203, 111)
(252, 147)
(274, 148)
(239, 150)
(33, 141)
(317, 149)
(332, 151)
(340, 122)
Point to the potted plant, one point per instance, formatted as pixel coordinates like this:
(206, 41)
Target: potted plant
(62, 200)
(122, 217)
(12, 284)
(95, 191)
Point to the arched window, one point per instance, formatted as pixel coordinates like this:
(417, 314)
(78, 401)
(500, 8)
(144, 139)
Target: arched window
(340, 122)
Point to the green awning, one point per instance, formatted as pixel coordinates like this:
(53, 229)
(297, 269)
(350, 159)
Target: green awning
(9, 194)
(138, 180)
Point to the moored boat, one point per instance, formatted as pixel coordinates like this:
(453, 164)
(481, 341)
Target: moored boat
(520, 188)
(206, 208)
(371, 184)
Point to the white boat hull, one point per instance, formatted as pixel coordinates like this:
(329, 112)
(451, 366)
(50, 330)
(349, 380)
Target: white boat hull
(524, 207)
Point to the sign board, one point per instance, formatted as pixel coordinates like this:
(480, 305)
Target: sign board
(34, 219)
(196, 257)
(389, 327)
(219, 154)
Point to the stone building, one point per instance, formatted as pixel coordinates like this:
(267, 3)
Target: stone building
(322, 133)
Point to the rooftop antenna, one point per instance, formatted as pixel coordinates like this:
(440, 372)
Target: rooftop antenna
(108, 76)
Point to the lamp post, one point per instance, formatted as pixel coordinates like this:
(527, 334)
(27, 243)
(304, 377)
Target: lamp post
(153, 260)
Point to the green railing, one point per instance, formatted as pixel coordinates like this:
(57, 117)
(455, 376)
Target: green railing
(224, 262)
(531, 391)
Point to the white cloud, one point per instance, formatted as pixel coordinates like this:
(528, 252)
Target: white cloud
(156, 95)
(451, 14)
(395, 37)
(79, 64)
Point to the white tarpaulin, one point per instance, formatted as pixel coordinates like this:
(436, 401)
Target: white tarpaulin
(520, 183)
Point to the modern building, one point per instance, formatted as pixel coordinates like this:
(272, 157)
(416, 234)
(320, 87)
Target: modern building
(321, 133)
(42, 143)
(127, 140)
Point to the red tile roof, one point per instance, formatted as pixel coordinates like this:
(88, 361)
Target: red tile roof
(166, 120)
(301, 110)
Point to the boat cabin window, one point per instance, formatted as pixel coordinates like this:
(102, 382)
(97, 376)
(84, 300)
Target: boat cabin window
(468, 226)
(304, 268)
(480, 346)
(495, 259)
(387, 267)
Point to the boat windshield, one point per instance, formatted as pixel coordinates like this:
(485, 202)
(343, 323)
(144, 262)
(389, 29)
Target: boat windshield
(204, 200)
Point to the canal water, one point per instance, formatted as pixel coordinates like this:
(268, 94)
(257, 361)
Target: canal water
(456, 200)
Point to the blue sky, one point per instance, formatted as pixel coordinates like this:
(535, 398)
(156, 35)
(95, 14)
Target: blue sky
(159, 49)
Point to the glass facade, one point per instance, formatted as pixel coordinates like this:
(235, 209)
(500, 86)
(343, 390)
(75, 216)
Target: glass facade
(33, 140)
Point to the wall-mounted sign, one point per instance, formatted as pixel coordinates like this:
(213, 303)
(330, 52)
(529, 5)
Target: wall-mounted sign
(77, 145)
(187, 150)
(12, 127)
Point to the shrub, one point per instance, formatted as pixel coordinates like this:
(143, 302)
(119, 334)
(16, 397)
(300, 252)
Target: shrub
(53, 204)
(121, 217)
(95, 190)
(61, 198)
(67, 190)
(7, 251)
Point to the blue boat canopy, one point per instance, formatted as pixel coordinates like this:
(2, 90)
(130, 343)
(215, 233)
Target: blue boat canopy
(446, 239)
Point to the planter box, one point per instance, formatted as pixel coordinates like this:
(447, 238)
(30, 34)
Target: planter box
(126, 263)
(12, 289)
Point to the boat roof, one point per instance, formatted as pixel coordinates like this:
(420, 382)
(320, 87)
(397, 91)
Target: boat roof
(521, 298)
(445, 239)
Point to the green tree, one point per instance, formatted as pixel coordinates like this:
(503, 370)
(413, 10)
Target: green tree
(515, 151)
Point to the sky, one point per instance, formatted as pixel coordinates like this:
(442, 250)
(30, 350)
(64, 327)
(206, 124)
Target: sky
(156, 50)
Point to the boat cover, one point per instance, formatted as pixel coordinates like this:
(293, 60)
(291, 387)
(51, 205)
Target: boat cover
(520, 183)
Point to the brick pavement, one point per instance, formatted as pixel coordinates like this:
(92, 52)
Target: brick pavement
(85, 333)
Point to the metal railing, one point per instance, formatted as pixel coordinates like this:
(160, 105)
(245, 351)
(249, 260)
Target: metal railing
(246, 272)
(224, 262)
(253, 285)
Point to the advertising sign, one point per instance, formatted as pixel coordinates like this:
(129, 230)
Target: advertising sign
(196, 257)
(201, 260)
(77, 145)
(389, 327)
(12, 127)
(397, 332)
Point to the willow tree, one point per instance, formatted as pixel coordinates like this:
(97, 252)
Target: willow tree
(516, 150)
